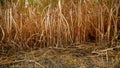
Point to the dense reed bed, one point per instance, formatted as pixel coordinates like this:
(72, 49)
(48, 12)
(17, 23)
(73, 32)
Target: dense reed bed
(57, 23)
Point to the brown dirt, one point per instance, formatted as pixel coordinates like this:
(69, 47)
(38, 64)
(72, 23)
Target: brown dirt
(79, 56)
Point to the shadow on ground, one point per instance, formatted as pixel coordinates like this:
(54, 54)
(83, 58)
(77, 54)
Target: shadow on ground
(81, 56)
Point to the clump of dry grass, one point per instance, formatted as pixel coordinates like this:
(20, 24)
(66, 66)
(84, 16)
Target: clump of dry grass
(58, 23)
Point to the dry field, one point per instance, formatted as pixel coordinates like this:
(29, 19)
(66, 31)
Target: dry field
(59, 33)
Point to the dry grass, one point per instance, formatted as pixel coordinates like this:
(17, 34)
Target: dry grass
(34, 24)
(59, 23)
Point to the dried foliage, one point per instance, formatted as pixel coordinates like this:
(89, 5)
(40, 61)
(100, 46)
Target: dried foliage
(58, 23)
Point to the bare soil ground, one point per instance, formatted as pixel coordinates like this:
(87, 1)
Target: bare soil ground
(78, 56)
